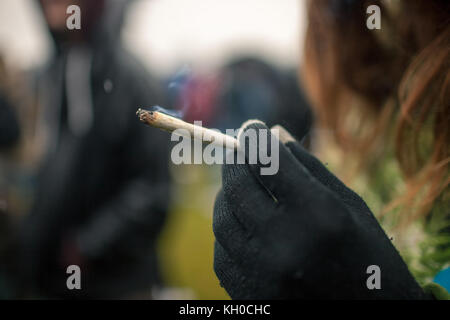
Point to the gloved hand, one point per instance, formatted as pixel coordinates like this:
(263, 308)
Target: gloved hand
(300, 233)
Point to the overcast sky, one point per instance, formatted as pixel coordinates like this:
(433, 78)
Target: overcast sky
(167, 33)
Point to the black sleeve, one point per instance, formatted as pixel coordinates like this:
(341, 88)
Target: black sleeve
(141, 205)
(9, 124)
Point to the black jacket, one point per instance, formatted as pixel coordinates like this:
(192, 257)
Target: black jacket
(9, 124)
(104, 191)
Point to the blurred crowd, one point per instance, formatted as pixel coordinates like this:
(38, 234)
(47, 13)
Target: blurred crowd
(83, 183)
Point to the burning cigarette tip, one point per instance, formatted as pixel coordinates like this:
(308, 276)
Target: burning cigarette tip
(172, 124)
(144, 115)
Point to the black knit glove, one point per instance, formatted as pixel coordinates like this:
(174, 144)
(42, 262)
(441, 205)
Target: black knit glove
(300, 233)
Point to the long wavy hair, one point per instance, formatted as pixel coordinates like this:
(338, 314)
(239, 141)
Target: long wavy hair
(394, 78)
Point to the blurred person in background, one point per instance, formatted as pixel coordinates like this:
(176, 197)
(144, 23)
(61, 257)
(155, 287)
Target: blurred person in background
(382, 98)
(246, 87)
(18, 155)
(103, 186)
(9, 138)
(9, 124)
(256, 89)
